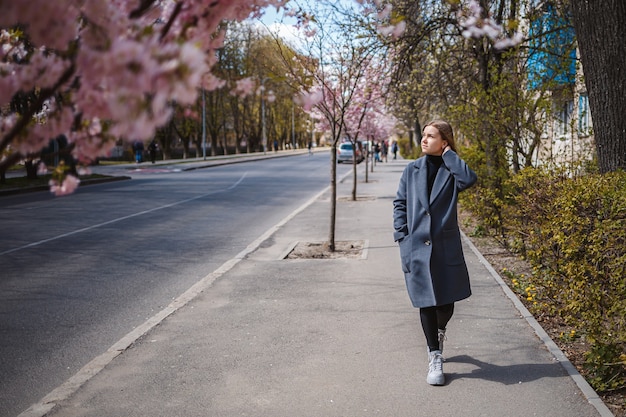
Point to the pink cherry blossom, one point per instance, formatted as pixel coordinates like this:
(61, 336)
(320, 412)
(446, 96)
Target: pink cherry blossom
(399, 29)
(112, 61)
(69, 184)
(476, 26)
(244, 87)
(42, 169)
(385, 12)
(310, 99)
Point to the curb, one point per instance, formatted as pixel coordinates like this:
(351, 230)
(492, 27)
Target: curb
(240, 159)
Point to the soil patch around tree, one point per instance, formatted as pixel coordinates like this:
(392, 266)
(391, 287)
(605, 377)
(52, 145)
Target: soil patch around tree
(352, 249)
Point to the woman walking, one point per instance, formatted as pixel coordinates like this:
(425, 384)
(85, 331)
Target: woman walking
(427, 231)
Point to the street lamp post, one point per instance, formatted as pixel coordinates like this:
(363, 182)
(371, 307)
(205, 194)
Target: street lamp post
(203, 126)
(312, 131)
(263, 134)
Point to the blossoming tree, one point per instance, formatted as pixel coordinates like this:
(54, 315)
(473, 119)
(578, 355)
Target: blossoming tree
(369, 118)
(99, 70)
(341, 44)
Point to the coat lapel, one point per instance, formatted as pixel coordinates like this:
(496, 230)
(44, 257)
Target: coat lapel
(421, 182)
(440, 181)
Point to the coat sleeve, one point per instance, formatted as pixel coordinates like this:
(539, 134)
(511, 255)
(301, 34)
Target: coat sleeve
(462, 173)
(400, 210)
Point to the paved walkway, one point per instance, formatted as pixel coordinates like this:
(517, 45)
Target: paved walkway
(267, 336)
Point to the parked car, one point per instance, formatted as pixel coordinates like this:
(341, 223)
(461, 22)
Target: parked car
(346, 153)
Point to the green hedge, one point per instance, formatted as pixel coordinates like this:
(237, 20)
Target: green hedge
(573, 232)
(408, 150)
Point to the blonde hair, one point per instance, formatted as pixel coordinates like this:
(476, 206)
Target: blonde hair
(445, 130)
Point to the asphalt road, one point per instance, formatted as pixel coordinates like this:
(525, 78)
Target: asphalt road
(79, 272)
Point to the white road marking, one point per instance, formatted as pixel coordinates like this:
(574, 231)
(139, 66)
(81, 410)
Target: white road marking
(119, 219)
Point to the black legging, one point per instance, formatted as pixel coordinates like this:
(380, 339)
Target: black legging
(434, 318)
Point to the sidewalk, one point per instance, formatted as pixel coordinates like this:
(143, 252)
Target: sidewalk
(266, 336)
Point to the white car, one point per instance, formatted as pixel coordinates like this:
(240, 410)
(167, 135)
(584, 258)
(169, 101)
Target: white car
(345, 153)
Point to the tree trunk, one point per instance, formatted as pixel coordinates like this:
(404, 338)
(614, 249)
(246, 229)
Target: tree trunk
(185, 143)
(31, 169)
(333, 196)
(354, 172)
(213, 144)
(603, 55)
(417, 137)
(367, 157)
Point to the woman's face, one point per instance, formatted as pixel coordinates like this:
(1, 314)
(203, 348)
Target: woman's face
(432, 143)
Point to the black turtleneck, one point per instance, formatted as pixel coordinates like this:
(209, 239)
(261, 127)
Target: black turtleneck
(432, 165)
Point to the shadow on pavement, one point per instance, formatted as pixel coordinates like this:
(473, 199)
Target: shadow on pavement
(507, 374)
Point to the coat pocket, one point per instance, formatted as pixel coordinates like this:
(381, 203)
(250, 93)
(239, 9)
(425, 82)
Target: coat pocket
(405, 253)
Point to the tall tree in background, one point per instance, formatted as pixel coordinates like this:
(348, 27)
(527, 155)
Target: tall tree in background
(335, 55)
(433, 27)
(232, 120)
(602, 46)
(369, 118)
(469, 62)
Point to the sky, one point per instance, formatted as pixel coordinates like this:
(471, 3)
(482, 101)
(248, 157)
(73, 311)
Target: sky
(280, 24)
(272, 16)
(283, 25)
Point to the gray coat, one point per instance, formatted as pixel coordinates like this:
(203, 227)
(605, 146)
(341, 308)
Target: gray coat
(428, 232)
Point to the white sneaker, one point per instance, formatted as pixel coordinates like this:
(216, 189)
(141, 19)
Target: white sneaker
(435, 368)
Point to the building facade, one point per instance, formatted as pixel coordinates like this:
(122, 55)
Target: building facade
(553, 65)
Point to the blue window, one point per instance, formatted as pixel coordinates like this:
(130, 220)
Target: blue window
(564, 116)
(552, 56)
(584, 115)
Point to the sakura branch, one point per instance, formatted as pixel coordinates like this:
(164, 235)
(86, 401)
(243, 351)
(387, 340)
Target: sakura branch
(100, 70)
(477, 24)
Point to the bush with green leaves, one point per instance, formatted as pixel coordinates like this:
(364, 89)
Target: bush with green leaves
(409, 150)
(486, 199)
(573, 232)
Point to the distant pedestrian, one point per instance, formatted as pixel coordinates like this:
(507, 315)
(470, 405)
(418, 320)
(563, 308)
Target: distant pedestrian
(394, 149)
(275, 145)
(310, 147)
(152, 149)
(384, 151)
(427, 231)
(138, 148)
